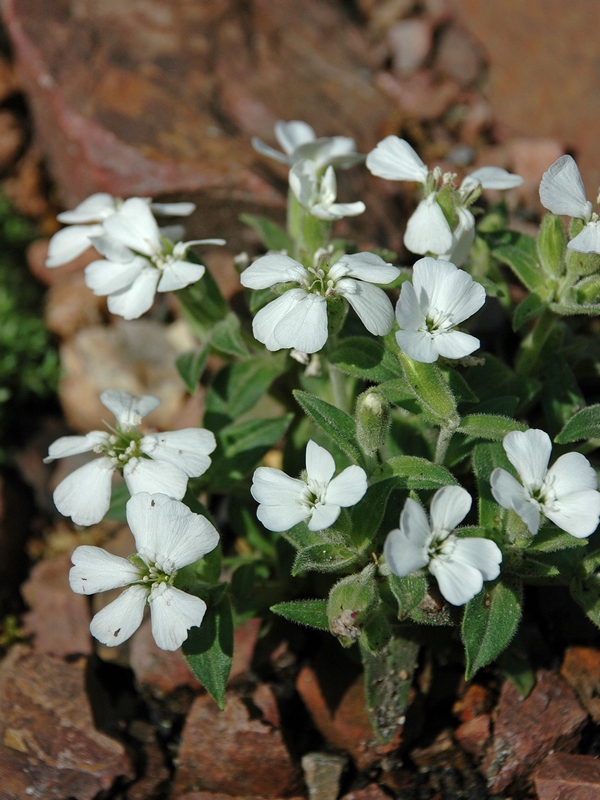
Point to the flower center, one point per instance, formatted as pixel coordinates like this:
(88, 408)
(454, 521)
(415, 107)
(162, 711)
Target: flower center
(152, 573)
(121, 446)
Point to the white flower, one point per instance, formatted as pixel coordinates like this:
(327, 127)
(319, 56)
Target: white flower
(317, 193)
(562, 192)
(86, 221)
(428, 230)
(460, 565)
(139, 262)
(298, 318)
(566, 493)
(168, 536)
(298, 141)
(156, 462)
(315, 499)
(440, 297)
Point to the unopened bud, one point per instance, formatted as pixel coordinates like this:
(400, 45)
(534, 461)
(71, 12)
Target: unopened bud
(372, 420)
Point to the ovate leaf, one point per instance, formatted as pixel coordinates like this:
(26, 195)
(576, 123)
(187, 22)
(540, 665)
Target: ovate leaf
(312, 613)
(584, 425)
(334, 423)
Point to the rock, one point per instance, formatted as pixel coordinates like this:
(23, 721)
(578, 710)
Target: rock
(322, 773)
(459, 56)
(155, 777)
(381, 14)
(562, 776)
(581, 670)
(530, 158)
(12, 138)
(370, 792)
(49, 746)
(36, 260)
(138, 100)
(59, 619)
(222, 796)
(419, 94)
(473, 735)
(70, 306)
(409, 42)
(233, 751)
(525, 731)
(161, 671)
(437, 754)
(475, 701)
(25, 186)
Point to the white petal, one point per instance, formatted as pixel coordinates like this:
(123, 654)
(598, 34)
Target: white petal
(272, 269)
(404, 555)
(414, 523)
(481, 554)
(442, 287)
(73, 445)
(571, 473)
(119, 620)
(128, 408)
(146, 475)
(588, 239)
(187, 449)
(304, 184)
(371, 303)
(279, 518)
(95, 570)
(347, 488)
(84, 495)
(463, 237)
(450, 505)
(97, 207)
(273, 487)
(577, 513)
(304, 326)
(409, 314)
(69, 243)
(337, 210)
(509, 493)
(492, 178)
(562, 190)
(291, 135)
(267, 319)
(166, 531)
(395, 159)
(178, 274)
(131, 303)
(322, 516)
(270, 152)
(112, 248)
(134, 226)
(529, 453)
(455, 344)
(337, 151)
(458, 582)
(173, 209)
(320, 465)
(106, 277)
(418, 344)
(427, 230)
(173, 613)
(364, 266)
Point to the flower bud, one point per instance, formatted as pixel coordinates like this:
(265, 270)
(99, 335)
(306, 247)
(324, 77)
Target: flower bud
(372, 420)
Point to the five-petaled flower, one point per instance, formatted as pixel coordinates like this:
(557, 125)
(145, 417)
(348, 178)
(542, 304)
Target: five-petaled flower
(298, 141)
(298, 318)
(85, 221)
(562, 192)
(428, 230)
(440, 297)
(156, 462)
(566, 493)
(316, 498)
(139, 261)
(460, 565)
(317, 193)
(168, 536)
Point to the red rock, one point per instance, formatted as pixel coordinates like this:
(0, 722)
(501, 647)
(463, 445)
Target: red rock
(459, 55)
(343, 722)
(59, 619)
(437, 754)
(525, 731)
(71, 305)
(419, 94)
(162, 671)
(155, 772)
(36, 260)
(370, 792)
(473, 735)
(562, 776)
(222, 796)
(409, 42)
(232, 752)
(530, 158)
(581, 670)
(48, 744)
(244, 643)
(476, 700)
(322, 773)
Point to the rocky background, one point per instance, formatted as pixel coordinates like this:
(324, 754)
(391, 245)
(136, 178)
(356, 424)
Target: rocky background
(161, 98)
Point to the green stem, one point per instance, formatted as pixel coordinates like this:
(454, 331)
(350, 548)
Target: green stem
(533, 344)
(339, 387)
(443, 441)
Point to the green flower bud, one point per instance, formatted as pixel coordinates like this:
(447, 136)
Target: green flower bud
(551, 243)
(337, 308)
(351, 604)
(372, 420)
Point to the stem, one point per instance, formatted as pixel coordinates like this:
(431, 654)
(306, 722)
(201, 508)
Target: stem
(533, 344)
(339, 387)
(443, 441)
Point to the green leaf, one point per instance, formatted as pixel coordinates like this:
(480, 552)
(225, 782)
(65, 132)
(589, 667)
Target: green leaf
(191, 365)
(458, 385)
(486, 457)
(551, 245)
(533, 306)
(584, 425)
(561, 395)
(587, 290)
(586, 591)
(334, 423)
(238, 387)
(368, 514)
(312, 613)
(490, 621)
(324, 558)
(414, 472)
(519, 252)
(118, 501)
(430, 389)
(366, 358)
(208, 649)
(551, 540)
(202, 303)
(409, 591)
(273, 237)
(489, 426)
(399, 393)
(566, 309)
(226, 337)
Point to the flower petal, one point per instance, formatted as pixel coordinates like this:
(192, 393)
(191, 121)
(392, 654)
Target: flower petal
(442, 287)
(336, 151)
(481, 554)
(509, 493)
(173, 209)
(577, 513)
(179, 274)
(112, 249)
(84, 495)
(270, 152)
(119, 620)
(134, 301)
(409, 314)
(529, 453)
(347, 488)
(450, 505)
(106, 277)
(322, 516)
(291, 135)
(492, 178)
(395, 159)
(404, 555)
(173, 613)
(562, 190)
(273, 487)
(571, 473)
(73, 445)
(458, 582)
(588, 239)
(365, 267)
(320, 465)
(134, 226)
(463, 237)
(69, 243)
(371, 303)
(455, 344)
(272, 269)
(418, 344)
(97, 207)
(337, 210)
(146, 475)
(279, 518)
(95, 570)
(129, 409)
(304, 327)
(427, 230)
(267, 319)
(187, 449)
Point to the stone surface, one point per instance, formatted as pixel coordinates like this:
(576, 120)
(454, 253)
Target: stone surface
(155, 777)
(70, 306)
(36, 260)
(420, 94)
(370, 792)
(548, 90)
(525, 731)
(459, 55)
(581, 669)
(48, 744)
(562, 776)
(322, 773)
(234, 751)
(473, 734)
(59, 619)
(475, 701)
(409, 42)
